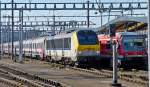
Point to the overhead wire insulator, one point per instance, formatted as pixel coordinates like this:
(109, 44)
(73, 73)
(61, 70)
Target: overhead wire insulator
(83, 5)
(64, 5)
(15, 6)
(35, 6)
(31, 23)
(42, 23)
(102, 5)
(37, 23)
(139, 5)
(74, 5)
(29, 5)
(25, 6)
(45, 6)
(93, 6)
(5, 6)
(130, 5)
(120, 6)
(28, 18)
(111, 5)
(54, 5)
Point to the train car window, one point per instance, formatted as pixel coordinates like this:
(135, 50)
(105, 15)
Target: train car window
(59, 43)
(33, 45)
(30, 45)
(37, 45)
(87, 37)
(48, 44)
(134, 43)
(40, 45)
(53, 44)
(67, 43)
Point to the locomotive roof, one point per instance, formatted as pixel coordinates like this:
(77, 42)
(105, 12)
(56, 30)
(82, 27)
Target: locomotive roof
(68, 33)
(76, 29)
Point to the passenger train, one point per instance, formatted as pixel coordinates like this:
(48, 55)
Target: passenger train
(131, 49)
(85, 47)
(76, 47)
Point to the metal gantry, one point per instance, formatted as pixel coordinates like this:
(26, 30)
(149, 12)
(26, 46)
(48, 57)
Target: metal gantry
(50, 23)
(76, 6)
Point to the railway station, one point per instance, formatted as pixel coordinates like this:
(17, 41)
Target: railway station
(74, 43)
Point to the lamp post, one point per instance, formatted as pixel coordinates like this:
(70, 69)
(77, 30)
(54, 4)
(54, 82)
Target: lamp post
(12, 32)
(20, 35)
(1, 33)
(149, 40)
(112, 33)
(88, 14)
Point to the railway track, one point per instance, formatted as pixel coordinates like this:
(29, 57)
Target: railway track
(16, 78)
(136, 77)
(139, 79)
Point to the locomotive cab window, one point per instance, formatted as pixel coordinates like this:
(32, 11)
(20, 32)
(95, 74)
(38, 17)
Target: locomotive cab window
(87, 37)
(134, 43)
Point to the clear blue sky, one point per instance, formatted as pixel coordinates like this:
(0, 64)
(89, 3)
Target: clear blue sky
(75, 13)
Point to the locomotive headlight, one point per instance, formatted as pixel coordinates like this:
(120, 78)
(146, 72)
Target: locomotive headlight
(97, 52)
(79, 52)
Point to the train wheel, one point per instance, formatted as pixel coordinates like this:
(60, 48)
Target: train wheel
(37, 57)
(76, 64)
(48, 58)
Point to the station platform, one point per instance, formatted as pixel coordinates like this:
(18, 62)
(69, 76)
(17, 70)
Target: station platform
(64, 75)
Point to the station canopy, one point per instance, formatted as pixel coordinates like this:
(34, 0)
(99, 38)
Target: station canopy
(126, 23)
